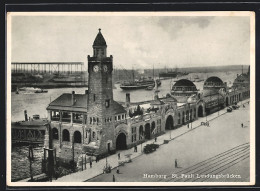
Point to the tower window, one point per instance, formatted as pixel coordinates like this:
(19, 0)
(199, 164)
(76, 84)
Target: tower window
(107, 103)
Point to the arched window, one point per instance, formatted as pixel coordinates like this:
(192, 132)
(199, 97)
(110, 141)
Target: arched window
(77, 137)
(65, 135)
(153, 127)
(141, 132)
(55, 134)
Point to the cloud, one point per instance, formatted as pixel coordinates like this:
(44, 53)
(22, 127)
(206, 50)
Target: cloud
(140, 41)
(174, 25)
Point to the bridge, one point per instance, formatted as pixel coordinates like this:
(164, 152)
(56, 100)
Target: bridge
(47, 67)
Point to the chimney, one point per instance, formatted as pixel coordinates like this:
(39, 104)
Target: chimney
(127, 100)
(72, 97)
(25, 115)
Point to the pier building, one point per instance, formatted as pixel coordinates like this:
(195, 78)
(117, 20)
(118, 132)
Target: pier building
(183, 89)
(95, 124)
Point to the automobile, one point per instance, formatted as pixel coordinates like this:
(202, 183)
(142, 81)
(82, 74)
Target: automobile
(229, 109)
(149, 148)
(235, 106)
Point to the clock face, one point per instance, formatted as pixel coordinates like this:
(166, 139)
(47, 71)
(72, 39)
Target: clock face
(95, 68)
(105, 68)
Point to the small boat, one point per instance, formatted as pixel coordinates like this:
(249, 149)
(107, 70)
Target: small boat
(158, 82)
(149, 88)
(29, 89)
(41, 91)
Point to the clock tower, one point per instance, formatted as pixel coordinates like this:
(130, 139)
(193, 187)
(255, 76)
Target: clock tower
(100, 96)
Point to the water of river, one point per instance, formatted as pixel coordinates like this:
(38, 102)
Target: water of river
(37, 103)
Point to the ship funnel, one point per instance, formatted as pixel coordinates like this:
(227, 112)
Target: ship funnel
(127, 99)
(25, 115)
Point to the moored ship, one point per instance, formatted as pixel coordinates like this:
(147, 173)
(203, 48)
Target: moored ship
(139, 84)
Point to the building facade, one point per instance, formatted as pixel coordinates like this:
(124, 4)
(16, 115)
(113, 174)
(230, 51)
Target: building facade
(95, 124)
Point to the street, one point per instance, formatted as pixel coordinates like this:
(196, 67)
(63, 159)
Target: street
(224, 133)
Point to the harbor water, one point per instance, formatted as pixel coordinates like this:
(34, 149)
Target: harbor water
(36, 103)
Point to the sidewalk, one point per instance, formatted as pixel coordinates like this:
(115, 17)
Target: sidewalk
(97, 168)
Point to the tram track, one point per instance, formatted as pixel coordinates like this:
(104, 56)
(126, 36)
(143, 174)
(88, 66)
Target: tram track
(215, 164)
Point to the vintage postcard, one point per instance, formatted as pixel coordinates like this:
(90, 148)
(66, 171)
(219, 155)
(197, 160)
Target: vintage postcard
(130, 98)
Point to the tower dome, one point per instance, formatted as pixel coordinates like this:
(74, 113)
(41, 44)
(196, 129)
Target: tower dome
(99, 46)
(214, 82)
(99, 40)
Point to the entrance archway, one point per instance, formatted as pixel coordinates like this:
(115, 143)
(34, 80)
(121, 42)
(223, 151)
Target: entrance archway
(147, 132)
(200, 111)
(77, 137)
(153, 126)
(169, 123)
(141, 132)
(121, 141)
(227, 101)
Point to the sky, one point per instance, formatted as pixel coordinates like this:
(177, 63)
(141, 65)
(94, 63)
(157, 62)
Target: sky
(138, 42)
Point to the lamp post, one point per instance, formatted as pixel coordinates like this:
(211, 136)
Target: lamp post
(170, 131)
(218, 103)
(50, 152)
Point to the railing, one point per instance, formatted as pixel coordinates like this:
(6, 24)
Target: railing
(77, 121)
(66, 119)
(55, 118)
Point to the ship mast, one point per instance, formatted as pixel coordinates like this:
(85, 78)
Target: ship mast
(133, 74)
(153, 71)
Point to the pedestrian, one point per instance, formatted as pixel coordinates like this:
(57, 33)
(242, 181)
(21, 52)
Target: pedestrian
(155, 139)
(176, 164)
(188, 125)
(96, 159)
(90, 163)
(243, 106)
(114, 179)
(242, 125)
(135, 148)
(117, 170)
(118, 156)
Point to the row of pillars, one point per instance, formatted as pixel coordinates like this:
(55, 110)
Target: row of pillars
(47, 68)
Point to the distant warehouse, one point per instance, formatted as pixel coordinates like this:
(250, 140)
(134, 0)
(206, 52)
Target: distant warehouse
(47, 67)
